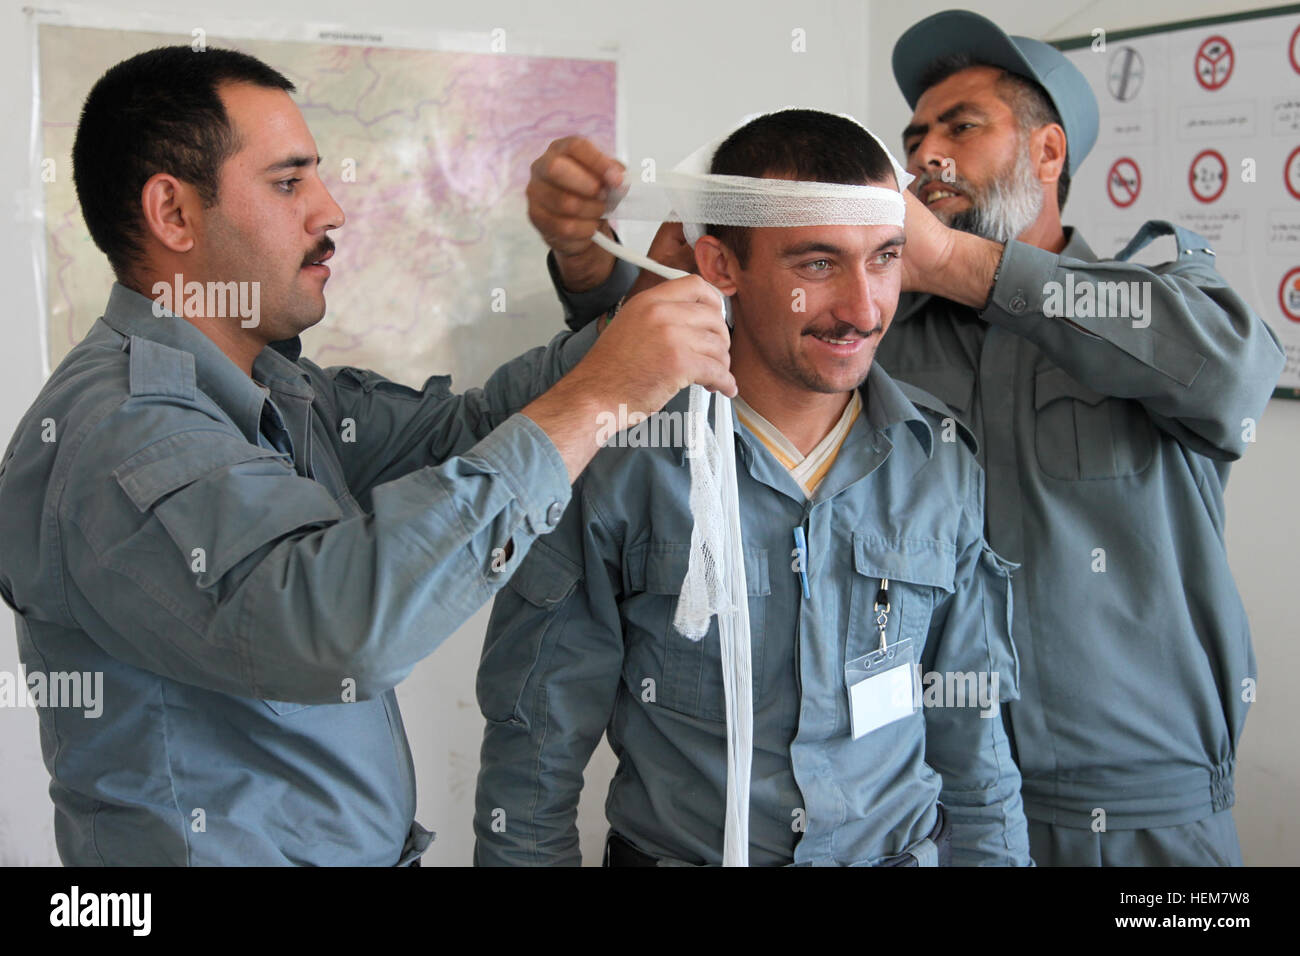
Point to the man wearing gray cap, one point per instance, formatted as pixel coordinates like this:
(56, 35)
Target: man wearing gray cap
(1105, 441)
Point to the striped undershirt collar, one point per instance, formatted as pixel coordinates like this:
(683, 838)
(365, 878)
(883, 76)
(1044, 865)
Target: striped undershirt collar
(808, 470)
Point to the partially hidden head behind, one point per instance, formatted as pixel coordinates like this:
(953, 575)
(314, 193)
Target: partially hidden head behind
(810, 302)
(199, 163)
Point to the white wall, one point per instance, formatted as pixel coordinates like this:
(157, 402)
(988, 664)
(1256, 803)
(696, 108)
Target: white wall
(688, 68)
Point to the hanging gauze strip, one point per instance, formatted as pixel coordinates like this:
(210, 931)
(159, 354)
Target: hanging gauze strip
(715, 578)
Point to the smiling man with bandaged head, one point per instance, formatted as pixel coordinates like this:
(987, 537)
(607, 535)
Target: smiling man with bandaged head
(878, 617)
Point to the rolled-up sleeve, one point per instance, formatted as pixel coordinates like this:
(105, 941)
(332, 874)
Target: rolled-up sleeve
(383, 430)
(210, 561)
(581, 308)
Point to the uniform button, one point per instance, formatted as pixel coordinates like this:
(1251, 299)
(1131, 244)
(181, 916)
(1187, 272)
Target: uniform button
(554, 513)
(1017, 304)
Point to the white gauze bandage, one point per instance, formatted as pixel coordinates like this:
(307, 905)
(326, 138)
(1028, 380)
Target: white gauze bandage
(715, 579)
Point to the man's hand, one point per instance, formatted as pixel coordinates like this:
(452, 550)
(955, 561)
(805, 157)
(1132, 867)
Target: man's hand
(663, 340)
(566, 192)
(946, 262)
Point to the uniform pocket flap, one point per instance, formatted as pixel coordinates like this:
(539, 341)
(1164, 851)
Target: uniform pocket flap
(927, 561)
(546, 577)
(220, 519)
(284, 708)
(1054, 383)
(179, 460)
(665, 563)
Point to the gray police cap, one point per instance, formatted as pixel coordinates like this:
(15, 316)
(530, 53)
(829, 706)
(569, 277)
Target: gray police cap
(961, 31)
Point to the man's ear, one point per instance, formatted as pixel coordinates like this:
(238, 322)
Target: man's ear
(168, 206)
(717, 264)
(1047, 150)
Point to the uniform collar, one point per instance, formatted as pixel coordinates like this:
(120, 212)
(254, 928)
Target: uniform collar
(132, 315)
(864, 449)
(885, 405)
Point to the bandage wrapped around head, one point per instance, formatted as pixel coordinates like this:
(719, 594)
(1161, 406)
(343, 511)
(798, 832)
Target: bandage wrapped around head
(715, 580)
(692, 195)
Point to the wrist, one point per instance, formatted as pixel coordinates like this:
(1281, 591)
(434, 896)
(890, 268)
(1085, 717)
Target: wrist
(570, 415)
(969, 270)
(585, 270)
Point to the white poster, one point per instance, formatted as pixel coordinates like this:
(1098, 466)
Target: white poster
(1200, 125)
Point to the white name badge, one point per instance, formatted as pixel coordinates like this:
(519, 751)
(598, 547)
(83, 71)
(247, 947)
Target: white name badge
(882, 688)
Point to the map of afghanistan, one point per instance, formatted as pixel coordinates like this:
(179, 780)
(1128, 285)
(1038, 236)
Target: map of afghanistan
(427, 152)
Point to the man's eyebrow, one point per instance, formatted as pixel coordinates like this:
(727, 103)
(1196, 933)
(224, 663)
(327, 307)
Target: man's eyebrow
(817, 245)
(812, 245)
(293, 162)
(947, 116)
(957, 109)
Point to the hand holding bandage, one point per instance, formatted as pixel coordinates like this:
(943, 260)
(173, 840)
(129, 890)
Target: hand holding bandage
(567, 192)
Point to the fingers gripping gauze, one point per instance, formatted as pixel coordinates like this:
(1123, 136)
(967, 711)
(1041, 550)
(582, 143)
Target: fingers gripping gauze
(715, 578)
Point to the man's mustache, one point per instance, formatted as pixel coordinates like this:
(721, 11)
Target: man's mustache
(958, 183)
(325, 248)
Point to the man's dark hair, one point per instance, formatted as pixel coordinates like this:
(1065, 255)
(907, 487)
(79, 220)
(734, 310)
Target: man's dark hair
(798, 144)
(157, 112)
(1027, 99)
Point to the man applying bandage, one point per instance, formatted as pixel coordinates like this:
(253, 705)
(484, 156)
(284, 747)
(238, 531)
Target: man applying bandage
(252, 550)
(867, 572)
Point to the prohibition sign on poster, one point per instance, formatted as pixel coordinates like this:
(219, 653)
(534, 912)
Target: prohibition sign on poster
(1214, 62)
(1291, 173)
(1294, 52)
(1123, 182)
(1208, 176)
(1288, 295)
(1124, 74)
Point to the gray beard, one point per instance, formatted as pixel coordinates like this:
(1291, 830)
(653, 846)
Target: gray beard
(1007, 208)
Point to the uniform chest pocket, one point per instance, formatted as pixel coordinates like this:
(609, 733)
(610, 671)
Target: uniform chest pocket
(660, 666)
(918, 570)
(1081, 435)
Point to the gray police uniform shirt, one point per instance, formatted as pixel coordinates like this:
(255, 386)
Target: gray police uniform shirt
(581, 643)
(1105, 445)
(235, 598)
